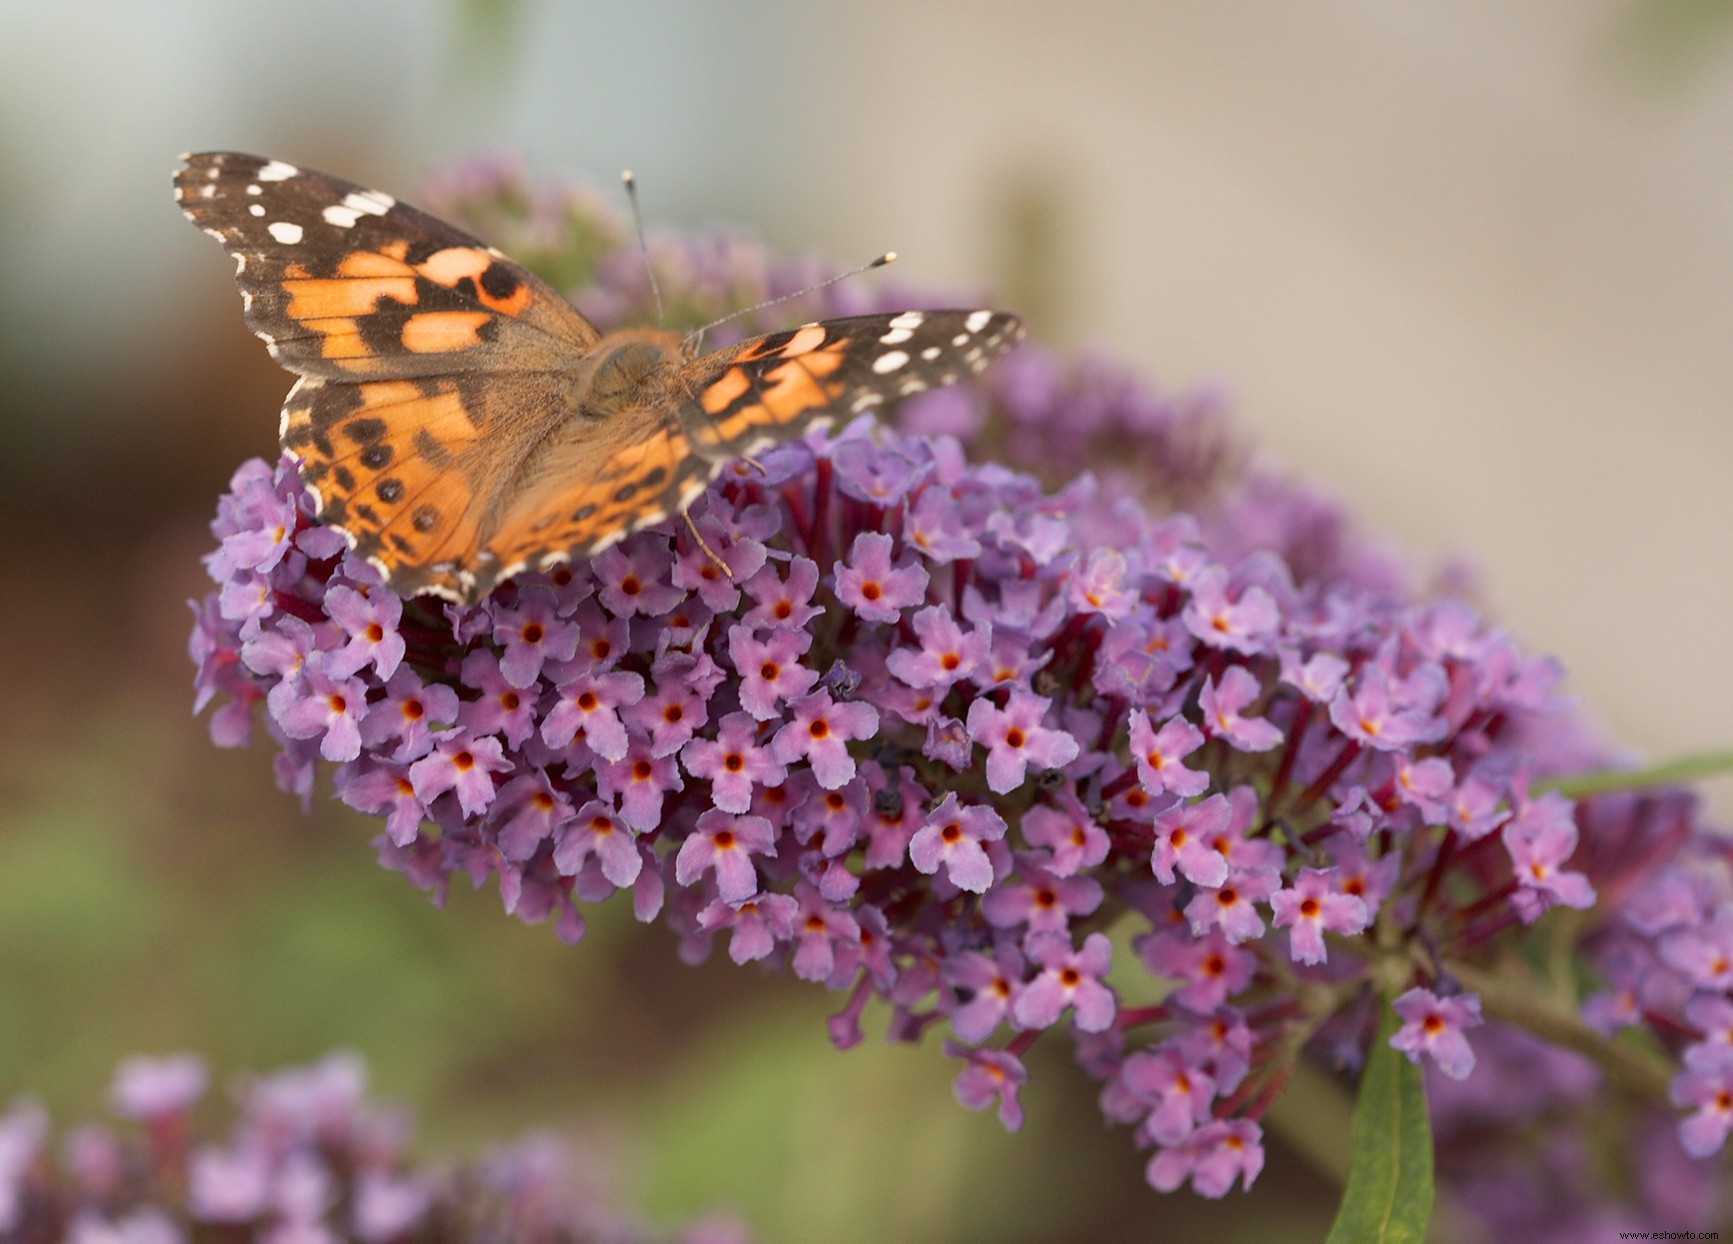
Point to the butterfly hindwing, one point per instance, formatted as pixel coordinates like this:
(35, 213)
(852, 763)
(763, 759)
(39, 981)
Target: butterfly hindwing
(770, 389)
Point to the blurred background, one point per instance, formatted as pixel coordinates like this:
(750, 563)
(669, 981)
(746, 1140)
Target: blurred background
(1470, 266)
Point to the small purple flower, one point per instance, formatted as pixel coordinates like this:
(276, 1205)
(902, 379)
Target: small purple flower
(1221, 703)
(408, 714)
(821, 933)
(770, 669)
(1312, 905)
(531, 634)
(384, 790)
(871, 586)
(388, 1207)
(1159, 752)
(641, 782)
(1712, 1016)
(1069, 978)
(151, 1088)
(589, 708)
(530, 811)
(1216, 618)
(329, 709)
(991, 1076)
(937, 531)
(992, 982)
(1041, 902)
(1015, 739)
(1540, 838)
(952, 836)
(596, 831)
(694, 571)
(1211, 967)
(1379, 714)
(1709, 1095)
(783, 601)
(820, 733)
(1102, 587)
(1074, 841)
(636, 582)
(1174, 1095)
(461, 763)
(876, 474)
(670, 714)
(759, 923)
(1185, 840)
(1232, 907)
(725, 844)
(1212, 1158)
(734, 762)
(228, 1185)
(947, 655)
(500, 709)
(370, 620)
(1436, 1026)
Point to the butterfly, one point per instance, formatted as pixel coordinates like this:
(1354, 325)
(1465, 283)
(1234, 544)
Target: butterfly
(460, 422)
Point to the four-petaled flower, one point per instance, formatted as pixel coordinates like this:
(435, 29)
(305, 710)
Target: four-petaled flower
(1015, 739)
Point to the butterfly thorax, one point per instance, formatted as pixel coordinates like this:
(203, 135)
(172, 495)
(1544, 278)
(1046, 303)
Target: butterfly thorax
(626, 369)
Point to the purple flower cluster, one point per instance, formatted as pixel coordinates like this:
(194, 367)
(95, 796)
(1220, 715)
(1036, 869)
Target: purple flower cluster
(307, 1160)
(1013, 760)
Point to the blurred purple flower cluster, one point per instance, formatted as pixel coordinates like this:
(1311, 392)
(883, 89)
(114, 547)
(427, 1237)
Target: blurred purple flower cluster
(307, 1160)
(1013, 760)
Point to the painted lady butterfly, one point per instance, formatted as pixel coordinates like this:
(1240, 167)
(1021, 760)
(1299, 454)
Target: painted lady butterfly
(460, 422)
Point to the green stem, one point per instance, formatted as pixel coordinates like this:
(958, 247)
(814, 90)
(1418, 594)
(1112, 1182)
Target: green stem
(1524, 1003)
(1673, 772)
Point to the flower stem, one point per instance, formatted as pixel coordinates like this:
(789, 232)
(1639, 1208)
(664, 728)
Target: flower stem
(1684, 769)
(1520, 1002)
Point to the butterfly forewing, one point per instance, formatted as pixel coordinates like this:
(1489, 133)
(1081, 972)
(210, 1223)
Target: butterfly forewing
(451, 418)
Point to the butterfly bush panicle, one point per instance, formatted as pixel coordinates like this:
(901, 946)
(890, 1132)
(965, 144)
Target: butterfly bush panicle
(307, 1157)
(1186, 787)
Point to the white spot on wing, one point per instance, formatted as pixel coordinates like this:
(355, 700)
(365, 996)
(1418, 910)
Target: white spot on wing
(376, 204)
(930, 353)
(285, 231)
(961, 339)
(257, 209)
(889, 361)
(908, 320)
(896, 337)
(357, 204)
(276, 170)
(977, 321)
(255, 188)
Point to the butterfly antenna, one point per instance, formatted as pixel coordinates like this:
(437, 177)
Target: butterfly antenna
(643, 246)
(697, 334)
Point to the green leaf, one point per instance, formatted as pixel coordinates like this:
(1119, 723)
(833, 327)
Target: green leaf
(1388, 1198)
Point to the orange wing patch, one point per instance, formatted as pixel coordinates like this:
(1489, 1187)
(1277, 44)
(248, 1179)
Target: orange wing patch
(384, 461)
(592, 494)
(782, 395)
(440, 332)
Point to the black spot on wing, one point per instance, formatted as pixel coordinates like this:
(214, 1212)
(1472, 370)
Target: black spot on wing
(365, 430)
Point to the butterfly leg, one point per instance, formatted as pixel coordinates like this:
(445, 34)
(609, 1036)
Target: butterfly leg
(709, 552)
